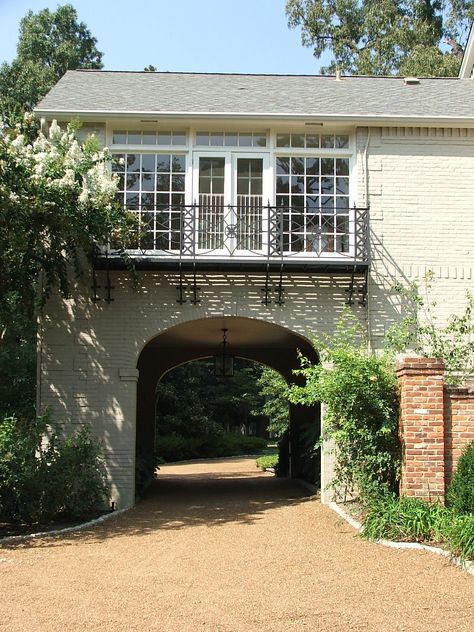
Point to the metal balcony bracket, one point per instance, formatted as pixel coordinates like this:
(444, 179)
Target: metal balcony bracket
(94, 287)
(357, 288)
(266, 300)
(362, 290)
(280, 290)
(108, 287)
(195, 289)
(181, 287)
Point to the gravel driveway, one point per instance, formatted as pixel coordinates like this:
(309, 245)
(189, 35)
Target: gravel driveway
(218, 546)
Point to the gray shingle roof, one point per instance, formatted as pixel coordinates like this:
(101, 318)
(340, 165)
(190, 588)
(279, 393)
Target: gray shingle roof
(82, 91)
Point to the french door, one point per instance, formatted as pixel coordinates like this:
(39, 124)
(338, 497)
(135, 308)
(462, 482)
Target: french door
(231, 189)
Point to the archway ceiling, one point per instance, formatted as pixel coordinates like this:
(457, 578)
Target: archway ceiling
(243, 333)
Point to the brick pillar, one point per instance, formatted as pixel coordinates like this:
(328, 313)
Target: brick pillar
(422, 427)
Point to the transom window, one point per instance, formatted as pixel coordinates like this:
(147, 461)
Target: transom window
(143, 137)
(313, 194)
(231, 139)
(312, 141)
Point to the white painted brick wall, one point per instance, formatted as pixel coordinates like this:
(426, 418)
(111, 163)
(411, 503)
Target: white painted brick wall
(421, 194)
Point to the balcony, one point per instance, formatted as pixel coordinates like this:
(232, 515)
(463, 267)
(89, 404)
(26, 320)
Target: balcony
(247, 236)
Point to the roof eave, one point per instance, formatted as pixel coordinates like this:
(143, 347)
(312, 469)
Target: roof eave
(366, 119)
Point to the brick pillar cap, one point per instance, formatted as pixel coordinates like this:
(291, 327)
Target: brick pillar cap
(419, 364)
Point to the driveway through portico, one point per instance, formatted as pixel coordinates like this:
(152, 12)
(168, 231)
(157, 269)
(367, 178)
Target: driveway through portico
(219, 546)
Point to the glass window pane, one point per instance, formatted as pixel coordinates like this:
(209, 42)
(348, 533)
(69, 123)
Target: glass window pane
(327, 166)
(202, 138)
(342, 166)
(312, 140)
(148, 200)
(312, 166)
(217, 139)
(119, 137)
(297, 201)
(179, 163)
(149, 138)
(243, 167)
(312, 185)
(245, 140)
(177, 198)
(148, 182)
(327, 203)
(341, 141)
(256, 167)
(134, 138)
(177, 183)
(312, 202)
(204, 185)
(297, 184)
(162, 199)
(342, 204)
(131, 200)
(282, 200)
(163, 163)
(217, 166)
(256, 186)
(133, 182)
(259, 140)
(148, 162)
(217, 186)
(283, 140)
(118, 163)
(327, 186)
(342, 186)
(283, 165)
(164, 138)
(162, 182)
(179, 138)
(242, 186)
(133, 162)
(297, 140)
(121, 181)
(297, 165)
(231, 139)
(327, 141)
(282, 184)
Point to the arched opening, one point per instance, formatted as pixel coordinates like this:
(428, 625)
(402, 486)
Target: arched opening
(266, 343)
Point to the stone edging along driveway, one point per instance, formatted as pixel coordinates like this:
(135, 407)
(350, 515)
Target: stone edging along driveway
(465, 565)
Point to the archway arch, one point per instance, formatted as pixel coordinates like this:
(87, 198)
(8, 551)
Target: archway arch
(252, 339)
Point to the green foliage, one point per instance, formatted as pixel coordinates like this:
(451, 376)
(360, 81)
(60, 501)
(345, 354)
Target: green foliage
(420, 329)
(402, 519)
(460, 495)
(267, 461)
(145, 465)
(50, 43)
(385, 37)
(408, 519)
(458, 533)
(359, 391)
(41, 479)
(274, 391)
(178, 448)
(192, 401)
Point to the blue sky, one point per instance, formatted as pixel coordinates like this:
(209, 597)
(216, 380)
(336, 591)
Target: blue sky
(180, 35)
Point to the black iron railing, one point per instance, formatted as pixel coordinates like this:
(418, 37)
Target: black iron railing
(250, 230)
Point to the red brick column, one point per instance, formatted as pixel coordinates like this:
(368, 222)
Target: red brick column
(458, 424)
(422, 427)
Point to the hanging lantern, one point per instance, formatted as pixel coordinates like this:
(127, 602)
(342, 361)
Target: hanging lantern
(224, 361)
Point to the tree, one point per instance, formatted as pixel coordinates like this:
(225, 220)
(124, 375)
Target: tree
(49, 44)
(274, 391)
(57, 199)
(384, 37)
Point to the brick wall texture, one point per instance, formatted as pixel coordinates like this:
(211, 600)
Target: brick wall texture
(436, 423)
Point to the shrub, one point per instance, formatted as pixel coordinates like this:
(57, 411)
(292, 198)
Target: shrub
(267, 461)
(403, 519)
(458, 532)
(42, 478)
(460, 496)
